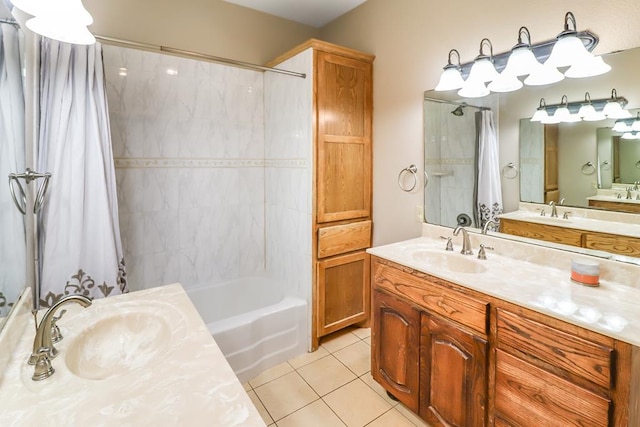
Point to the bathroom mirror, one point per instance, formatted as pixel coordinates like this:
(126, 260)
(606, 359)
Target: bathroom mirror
(12, 156)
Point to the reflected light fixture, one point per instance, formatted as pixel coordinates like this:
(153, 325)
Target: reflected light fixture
(451, 78)
(587, 110)
(627, 125)
(482, 71)
(614, 107)
(541, 112)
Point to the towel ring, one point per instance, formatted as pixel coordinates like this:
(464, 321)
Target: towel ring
(638, 164)
(510, 171)
(588, 168)
(606, 165)
(413, 170)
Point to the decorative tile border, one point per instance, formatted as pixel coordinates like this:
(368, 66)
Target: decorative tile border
(129, 163)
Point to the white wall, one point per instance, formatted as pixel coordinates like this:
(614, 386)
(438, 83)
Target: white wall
(411, 39)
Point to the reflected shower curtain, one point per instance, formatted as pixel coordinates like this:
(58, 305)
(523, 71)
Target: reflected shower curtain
(80, 247)
(489, 196)
(12, 241)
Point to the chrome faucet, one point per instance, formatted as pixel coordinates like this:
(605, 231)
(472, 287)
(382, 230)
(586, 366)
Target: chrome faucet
(43, 349)
(486, 226)
(628, 193)
(554, 212)
(466, 243)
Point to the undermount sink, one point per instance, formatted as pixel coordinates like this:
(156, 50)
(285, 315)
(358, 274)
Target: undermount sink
(452, 261)
(117, 344)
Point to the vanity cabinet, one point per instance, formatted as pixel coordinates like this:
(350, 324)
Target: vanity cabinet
(613, 243)
(429, 346)
(342, 104)
(458, 357)
(615, 206)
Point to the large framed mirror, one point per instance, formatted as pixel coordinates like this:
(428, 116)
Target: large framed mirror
(589, 154)
(12, 160)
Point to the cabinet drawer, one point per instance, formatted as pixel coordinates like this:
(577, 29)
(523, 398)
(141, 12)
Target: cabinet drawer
(548, 233)
(612, 243)
(433, 297)
(528, 396)
(576, 355)
(340, 239)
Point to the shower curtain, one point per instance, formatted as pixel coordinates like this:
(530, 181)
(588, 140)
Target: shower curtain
(489, 195)
(80, 247)
(12, 242)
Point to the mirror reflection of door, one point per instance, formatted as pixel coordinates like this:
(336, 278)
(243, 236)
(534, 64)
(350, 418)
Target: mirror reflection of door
(551, 190)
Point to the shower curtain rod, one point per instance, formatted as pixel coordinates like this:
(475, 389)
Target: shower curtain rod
(186, 53)
(9, 21)
(463, 104)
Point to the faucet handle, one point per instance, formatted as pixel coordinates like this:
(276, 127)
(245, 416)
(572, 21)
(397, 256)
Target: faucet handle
(481, 253)
(542, 213)
(56, 335)
(43, 368)
(566, 215)
(449, 243)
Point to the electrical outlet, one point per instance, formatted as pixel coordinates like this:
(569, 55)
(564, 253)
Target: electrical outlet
(419, 214)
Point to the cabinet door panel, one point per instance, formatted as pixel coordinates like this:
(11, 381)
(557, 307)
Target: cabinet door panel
(343, 292)
(453, 367)
(395, 342)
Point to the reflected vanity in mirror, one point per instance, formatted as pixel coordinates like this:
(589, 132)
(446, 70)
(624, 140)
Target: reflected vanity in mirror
(12, 160)
(583, 161)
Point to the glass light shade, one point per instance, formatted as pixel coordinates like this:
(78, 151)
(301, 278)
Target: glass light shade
(70, 12)
(505, 83)
(32, 7)
(483, 70)
(614, 110)
(627, 135)
(586, 110)
(572, 118)
(621, 126)
(596, 116)
(636, 125)
(567, 51)
(521, 62)
(52, 28)
(549, 120)
(450, 79)
(594, 66)
(545, 75)
(562, 114)
(539, 115)
(473, 88)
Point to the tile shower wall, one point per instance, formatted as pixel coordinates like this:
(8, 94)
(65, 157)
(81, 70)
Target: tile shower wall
(531, 161)
(289, 174)
(188, 141)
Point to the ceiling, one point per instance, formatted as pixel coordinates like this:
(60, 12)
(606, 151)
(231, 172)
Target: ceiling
(316, 13)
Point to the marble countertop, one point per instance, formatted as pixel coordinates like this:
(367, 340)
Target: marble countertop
(575, 222)
(535, 277)
(183, 381)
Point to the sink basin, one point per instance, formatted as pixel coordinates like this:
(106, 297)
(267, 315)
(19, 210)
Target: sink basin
(452, 261)
(117, 344)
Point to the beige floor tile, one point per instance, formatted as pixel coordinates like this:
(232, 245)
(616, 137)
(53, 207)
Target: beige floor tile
(391, 418)
(356, 403)
(368, 380)
(305, 359)
(247, 387)
(362, 333)
(356, 357)
(260, 407)
(413, 418)
(285, 395)
(338, 340)
(271, 374)
(317, 414)
(326, 375)
(367, 340)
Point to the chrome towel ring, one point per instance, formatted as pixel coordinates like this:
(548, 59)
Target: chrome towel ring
(588, 168)
(510, 171)
(606, 165)
(413, 170)
(21, 200)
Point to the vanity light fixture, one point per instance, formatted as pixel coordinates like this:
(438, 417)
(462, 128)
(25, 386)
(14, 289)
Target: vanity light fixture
(587, 110)
(627, 125)
(62, 20)
(539, 62)
(451, 78)
(482, 71)
(631, 135)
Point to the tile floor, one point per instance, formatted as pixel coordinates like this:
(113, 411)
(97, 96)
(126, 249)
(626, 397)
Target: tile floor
(329, 387)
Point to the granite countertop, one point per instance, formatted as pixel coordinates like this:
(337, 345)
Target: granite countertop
(576, 222)
(172, 374)
(534, 277)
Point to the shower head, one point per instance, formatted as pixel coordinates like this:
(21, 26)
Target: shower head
(459, 110)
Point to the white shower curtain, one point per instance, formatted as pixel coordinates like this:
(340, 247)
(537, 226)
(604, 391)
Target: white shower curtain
(80, 247)
(489, 200)
(12, 239)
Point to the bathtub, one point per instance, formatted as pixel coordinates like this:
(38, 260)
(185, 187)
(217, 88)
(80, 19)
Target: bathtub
(255, 325)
